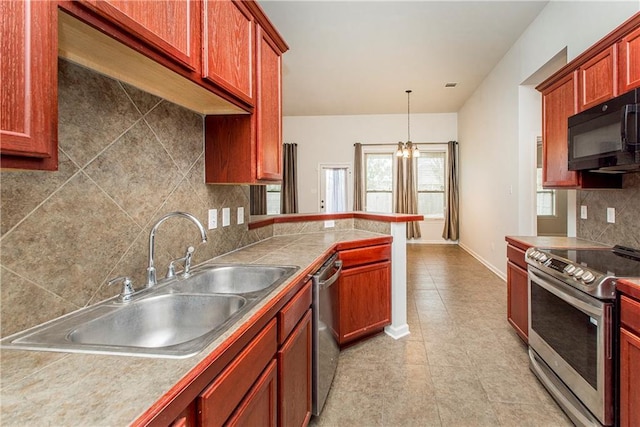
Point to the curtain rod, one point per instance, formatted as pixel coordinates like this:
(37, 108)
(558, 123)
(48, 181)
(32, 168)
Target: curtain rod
(416, 143)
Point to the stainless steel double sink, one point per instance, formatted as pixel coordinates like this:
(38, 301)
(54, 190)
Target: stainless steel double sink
(177, 318)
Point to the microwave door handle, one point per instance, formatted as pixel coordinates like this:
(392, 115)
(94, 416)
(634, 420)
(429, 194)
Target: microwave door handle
(624, 132)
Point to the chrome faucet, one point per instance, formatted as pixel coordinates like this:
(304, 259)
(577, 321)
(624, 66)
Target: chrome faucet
(151, 269)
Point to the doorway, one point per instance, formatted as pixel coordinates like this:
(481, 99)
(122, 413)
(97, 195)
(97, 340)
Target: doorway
(333, 194)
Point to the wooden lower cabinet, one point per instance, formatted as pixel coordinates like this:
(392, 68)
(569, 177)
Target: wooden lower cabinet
(629, 378)
(188, 417)
(629, 361)
(518, 300)
(517, 288)
(268, 383)
(364, 295)
(294, 376)
(227, 392)
(259, 407)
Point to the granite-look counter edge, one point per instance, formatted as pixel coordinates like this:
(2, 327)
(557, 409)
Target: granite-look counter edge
(555, 242)
(46, 388)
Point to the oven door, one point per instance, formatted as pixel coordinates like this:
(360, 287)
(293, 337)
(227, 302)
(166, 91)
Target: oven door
(572, 333)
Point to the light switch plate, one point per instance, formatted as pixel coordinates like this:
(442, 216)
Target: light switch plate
(583, 212)
(213, 219)
(226, 217)
(241, 215)
(329, 224)
(611, 215)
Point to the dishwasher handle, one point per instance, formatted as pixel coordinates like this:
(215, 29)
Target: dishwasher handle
(324, 284)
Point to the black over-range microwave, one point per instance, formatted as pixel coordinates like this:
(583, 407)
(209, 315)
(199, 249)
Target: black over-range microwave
(606, 138)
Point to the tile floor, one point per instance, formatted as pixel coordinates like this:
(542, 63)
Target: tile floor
(462, 364)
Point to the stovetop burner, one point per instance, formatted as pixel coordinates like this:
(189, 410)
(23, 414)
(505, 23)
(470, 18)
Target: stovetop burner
(593, 271)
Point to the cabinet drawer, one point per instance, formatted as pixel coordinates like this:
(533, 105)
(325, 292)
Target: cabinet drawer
(630, 313)
(362, 256)
(222, 396)
(291, 314)
(516, 256)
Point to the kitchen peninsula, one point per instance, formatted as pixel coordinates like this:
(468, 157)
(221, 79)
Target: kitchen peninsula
(66, 389)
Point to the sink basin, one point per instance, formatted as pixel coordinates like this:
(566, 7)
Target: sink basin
(160, 321)
(235, 279)
(177, 318)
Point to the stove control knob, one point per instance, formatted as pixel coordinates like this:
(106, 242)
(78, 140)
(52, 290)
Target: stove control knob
(588, 277)
(531, 254)
(543, 258)
(578, 273)
(569, 269)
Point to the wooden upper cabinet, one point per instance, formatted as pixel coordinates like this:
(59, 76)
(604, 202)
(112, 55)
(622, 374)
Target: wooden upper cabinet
(558, 103)
(247, 149)
(597, 79)
(629, 61)
(29, 89)
(171, 27)
(228, 47)
(269, 109)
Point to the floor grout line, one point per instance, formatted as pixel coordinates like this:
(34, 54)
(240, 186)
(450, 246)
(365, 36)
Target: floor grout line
(479, 355)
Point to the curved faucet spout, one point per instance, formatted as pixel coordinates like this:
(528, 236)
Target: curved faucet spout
(151, 269)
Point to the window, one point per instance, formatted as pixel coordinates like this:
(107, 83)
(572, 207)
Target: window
(431, 183)
(273, 199)
(378, 182)
(546, 198)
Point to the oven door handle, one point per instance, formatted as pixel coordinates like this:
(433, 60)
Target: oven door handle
(562, 291)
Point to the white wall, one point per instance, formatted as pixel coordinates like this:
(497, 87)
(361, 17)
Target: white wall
(496, 151)
(330, 139)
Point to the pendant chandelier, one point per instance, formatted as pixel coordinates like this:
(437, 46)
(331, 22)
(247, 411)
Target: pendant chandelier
(408, 149)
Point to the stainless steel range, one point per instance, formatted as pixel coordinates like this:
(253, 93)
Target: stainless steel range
(572, 328)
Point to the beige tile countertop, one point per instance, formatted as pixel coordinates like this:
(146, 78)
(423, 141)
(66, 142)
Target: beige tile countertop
(557, 242)
(62, 389)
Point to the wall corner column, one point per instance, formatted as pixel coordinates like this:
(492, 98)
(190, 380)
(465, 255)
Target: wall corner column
(398, 327)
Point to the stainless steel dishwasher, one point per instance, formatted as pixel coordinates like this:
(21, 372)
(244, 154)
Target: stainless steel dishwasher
(325, 345)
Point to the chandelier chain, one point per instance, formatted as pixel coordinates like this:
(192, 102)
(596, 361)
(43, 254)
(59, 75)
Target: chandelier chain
(408, 115)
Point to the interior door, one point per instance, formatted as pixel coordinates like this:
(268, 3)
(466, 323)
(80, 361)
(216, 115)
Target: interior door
(333, 188)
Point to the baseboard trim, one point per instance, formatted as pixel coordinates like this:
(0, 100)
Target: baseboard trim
(397, 332)
(487, 264)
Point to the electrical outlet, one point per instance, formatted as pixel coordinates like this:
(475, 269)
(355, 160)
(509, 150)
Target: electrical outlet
(226, 217)
(213, 219)
(611, 215)
(329, 224)
(583, 212)
(240, 217)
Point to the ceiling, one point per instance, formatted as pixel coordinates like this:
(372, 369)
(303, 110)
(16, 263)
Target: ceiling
(359, 57)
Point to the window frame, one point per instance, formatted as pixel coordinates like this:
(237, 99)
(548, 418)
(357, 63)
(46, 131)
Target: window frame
(435, 148)
(382, 149)
(542, 190)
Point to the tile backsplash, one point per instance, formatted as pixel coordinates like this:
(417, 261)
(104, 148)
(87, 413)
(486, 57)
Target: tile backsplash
(126, 159)
(626, 202)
